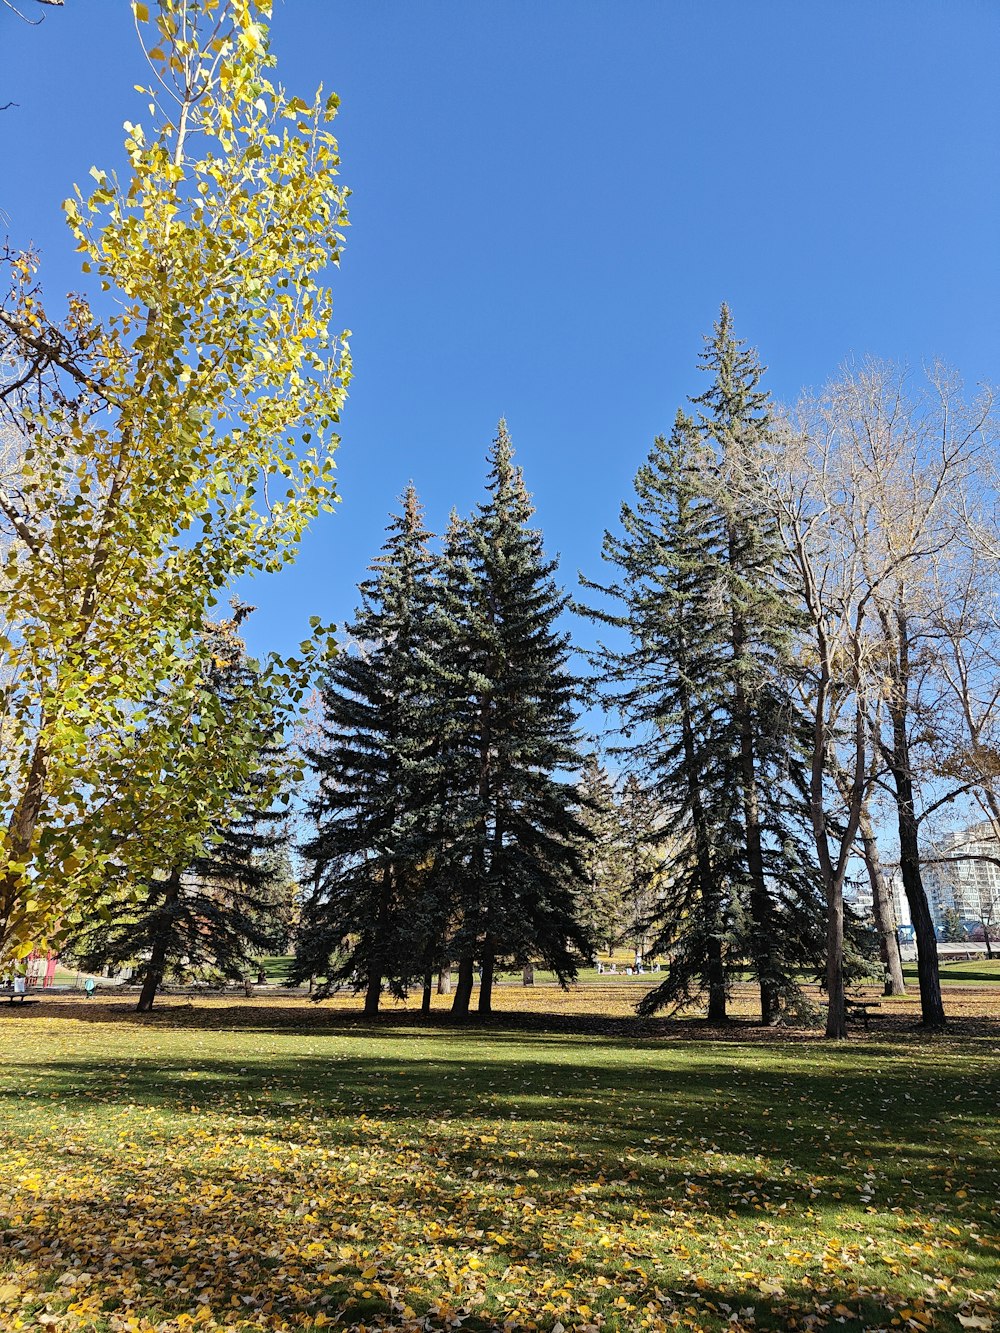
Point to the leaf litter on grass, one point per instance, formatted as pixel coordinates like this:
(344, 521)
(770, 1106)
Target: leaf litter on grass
(169, 1176)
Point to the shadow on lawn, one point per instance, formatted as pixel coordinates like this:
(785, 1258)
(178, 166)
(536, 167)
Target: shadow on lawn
(700, 1132)
(842, 1105)
(251, 1271)
(276, 1016)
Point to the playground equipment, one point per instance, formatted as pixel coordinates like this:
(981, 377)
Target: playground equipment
(34, 976)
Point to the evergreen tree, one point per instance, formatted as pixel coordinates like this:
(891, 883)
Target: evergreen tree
(669, 685)
(953, 929)
(219, 910)
(767, 745)
(509, 853)
(648, 849)
(605, 892)
(371, 920)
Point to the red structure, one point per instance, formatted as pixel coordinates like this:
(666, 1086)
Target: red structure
(34, 975)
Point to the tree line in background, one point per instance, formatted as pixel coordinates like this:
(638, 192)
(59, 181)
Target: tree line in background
(801, 641)
(803, 637)
(799, 621)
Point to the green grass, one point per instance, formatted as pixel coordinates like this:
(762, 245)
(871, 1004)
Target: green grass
(275, 968)
(970, 974)
(973, 973)
(303, 1163)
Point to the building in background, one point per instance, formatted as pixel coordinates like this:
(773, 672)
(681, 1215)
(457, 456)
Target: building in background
(966, 886)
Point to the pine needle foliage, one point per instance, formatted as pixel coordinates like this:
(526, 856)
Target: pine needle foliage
(605, 893)
(511, 854)
(370, 919)
(669, 685)
(781, 888)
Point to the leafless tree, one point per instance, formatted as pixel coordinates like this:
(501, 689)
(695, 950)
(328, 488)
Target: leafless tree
(9, 4)
(919, 448)
(870, 483)
(824, 512)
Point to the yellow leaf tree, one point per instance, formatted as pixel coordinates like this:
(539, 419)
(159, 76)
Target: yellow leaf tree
(159, 443)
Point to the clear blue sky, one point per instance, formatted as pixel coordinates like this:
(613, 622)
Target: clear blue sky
(550, 202)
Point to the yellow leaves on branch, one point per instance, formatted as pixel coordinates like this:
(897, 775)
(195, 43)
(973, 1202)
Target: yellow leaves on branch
(184, 438)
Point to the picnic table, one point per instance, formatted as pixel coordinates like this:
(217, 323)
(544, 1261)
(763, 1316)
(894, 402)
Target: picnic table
(18, 991)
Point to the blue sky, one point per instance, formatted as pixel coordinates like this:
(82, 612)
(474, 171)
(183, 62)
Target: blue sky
(550, 202)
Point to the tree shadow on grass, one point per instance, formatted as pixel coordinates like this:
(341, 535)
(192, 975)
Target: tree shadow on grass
(453, 1134)
(279, 1016)
(229, 1240)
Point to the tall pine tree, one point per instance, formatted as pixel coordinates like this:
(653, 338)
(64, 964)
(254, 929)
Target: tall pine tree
(669, 685)
(781, 887)
(371, 920)
(510, 853)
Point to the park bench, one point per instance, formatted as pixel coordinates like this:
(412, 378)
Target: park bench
(18, 993)
(861, 1008)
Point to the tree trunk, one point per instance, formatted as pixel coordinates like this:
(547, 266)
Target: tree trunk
(425, 1002)
(486, 983)
(762, 935)
(444, 981)
(761, 914)
(528, 975)
(716, 982)
(382, 925)
(987, 940)
(153, 975)
(463, 991)
(715, 978)
(882, 909)
(20, 833)
(836, 1014)
(374, 992)
(931, 1004)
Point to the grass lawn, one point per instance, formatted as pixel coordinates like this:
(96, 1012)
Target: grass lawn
(249, 1166)
(973, 973)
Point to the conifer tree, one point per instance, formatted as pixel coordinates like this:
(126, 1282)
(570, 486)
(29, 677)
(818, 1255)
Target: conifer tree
(767, 746)
(669, 685)
(510, 853)
(608, 872)
(648, 845)
(218, 910)
(371, 920)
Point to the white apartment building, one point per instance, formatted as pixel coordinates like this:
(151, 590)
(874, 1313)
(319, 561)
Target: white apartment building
(970, 887)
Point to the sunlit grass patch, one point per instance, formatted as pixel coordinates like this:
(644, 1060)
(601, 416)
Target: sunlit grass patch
(317, 1171)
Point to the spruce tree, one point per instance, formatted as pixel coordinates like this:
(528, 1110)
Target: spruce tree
(648, 849)
(669, 685)
(371, 920)
(218, 911)
(510, 853)
(784, 911)
(605, 892)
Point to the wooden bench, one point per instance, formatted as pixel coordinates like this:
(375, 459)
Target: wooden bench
(861, 1007)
